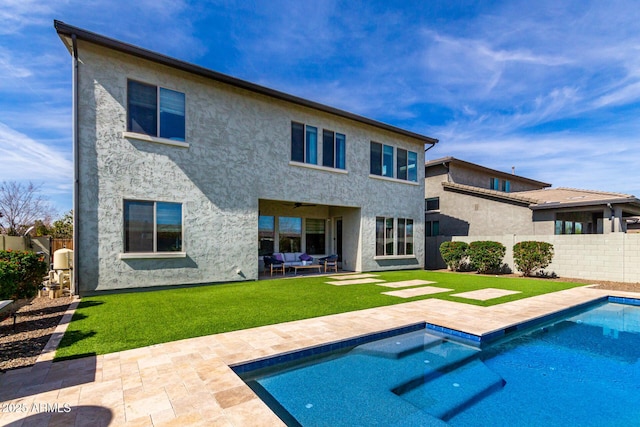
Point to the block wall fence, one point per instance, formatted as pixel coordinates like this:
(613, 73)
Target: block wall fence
(610, 257)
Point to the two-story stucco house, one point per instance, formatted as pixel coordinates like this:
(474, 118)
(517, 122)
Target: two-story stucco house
(184, 175)
(466, 201)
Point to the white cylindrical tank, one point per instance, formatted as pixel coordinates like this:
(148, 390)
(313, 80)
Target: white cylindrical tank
(62, 259)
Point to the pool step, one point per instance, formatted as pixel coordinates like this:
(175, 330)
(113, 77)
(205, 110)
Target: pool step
(400, 346)
(446, 395)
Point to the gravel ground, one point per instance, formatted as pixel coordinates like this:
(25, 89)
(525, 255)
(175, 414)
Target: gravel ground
(35, 323)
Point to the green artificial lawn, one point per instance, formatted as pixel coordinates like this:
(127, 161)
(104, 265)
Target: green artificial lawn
(108, 323)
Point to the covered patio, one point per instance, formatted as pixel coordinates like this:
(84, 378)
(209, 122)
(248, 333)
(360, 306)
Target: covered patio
(315, 229)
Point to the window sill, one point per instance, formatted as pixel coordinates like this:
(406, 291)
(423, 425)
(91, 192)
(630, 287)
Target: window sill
(152, 255)
(149, 138)
(386, 178)
(377, 257)
(318, 167)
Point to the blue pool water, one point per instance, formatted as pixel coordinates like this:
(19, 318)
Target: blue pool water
(579, 371)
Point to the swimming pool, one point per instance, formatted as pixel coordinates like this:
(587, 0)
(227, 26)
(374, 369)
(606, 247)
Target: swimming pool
(582, 370)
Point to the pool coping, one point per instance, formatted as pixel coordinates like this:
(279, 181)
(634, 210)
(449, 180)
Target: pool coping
(475, 340)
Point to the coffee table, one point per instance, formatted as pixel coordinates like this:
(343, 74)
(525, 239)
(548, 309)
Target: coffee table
(306, 267)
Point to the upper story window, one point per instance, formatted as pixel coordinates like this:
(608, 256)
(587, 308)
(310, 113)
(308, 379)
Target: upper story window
(152, 226)
(333, 149)
(432, 204)
(500, 184)
(306, 147)
(304, 143)
(155, 111)
(382, 162)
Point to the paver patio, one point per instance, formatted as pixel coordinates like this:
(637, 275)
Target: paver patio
(190, 382)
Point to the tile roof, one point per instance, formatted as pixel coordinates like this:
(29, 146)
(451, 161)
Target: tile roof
(550, 198)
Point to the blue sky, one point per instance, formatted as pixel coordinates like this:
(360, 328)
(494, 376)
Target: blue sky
(552, 88)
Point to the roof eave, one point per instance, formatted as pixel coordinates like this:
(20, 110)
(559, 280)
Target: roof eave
(594, 203)
(64, 29)
(501, 174)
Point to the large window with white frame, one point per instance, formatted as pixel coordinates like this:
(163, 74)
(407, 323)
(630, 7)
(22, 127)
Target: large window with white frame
(155, 111)
(405, 236)
(385, 236)
(394, 236)
(151, 226)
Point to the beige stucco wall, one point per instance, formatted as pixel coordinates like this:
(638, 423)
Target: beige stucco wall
(463, 175)
(238, 154)
(463, 214)
(612, 257)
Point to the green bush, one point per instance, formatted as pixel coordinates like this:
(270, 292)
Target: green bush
(453, 253)
(21, 273)
(530, 256)
(486, 256)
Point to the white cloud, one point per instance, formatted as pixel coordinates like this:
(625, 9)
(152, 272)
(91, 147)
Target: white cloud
(24, 158)
(624, 95)
(9, 70)
(17, 14)
(561, 159)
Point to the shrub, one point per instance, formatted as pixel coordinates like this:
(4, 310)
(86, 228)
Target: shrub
(21, 273)
(453, 253)
(486, 256)
(530, 256)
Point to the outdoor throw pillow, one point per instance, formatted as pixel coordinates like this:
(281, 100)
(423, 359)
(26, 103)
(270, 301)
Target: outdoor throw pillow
(305, 257)
(278, 257)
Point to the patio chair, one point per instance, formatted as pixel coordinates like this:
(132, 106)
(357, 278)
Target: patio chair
(273, 264)
(330, 263)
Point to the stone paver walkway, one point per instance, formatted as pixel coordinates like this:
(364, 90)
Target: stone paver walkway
(190, 382)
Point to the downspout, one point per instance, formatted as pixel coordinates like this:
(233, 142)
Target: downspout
(76, 163)
(430, 147)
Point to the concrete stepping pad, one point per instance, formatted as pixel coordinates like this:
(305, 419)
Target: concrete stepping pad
(355, 282)
(485, 294)
(354, 276)
(414, 292)
(406, 283)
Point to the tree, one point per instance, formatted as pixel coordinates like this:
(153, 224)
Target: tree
(20, 206)
(41, 228)
(63, 228)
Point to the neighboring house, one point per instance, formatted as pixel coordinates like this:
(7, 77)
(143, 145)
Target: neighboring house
(184, 175)
(466, 199)
(468, 202)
